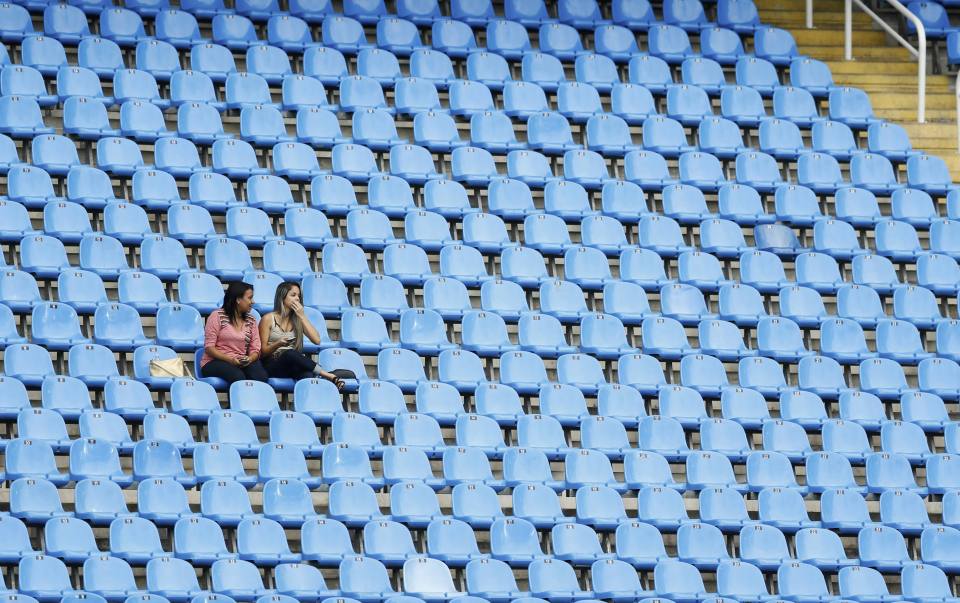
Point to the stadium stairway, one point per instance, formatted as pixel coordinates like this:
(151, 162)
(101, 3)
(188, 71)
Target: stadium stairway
(881, 67)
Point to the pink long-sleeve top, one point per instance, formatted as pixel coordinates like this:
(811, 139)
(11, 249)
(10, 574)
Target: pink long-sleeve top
(220, 334)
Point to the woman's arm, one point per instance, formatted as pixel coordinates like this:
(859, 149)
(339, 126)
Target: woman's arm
(255, 345)
(218, 355)
(267, 348)
(211, 333)
(309, 330)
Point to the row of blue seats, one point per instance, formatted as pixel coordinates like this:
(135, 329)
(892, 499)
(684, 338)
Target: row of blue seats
(48, 56)
(118, 326)
(545, 230)
(514, 540)
(288, 501)
(623, 200)
(625, 407)
(635, 13)
(549, 133)
(800, 307)
(427, 579)
(842, 341)
(318, 125)
(756, 172)
(541, 438)
(100, 59)
(561, 406)
(506, 41)
(606, 432)
(69, 24)
(823, 375)
(624, 303)
(621, 405)
(437, 132)
(413, 169)
(159, 61)
(195, 99)
(540, 74)
(370, 230)
(718, 139)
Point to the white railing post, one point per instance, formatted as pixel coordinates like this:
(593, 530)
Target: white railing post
(920, 52)
(921, 58)
(809, 14)
(848, 30)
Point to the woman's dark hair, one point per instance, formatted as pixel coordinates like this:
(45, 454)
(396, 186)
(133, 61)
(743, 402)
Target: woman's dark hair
(235, 291)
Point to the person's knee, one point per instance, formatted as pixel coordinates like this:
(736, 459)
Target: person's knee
(224, 371)
(256, 372)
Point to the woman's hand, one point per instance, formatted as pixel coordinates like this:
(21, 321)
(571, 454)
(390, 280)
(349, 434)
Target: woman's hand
(297, 308)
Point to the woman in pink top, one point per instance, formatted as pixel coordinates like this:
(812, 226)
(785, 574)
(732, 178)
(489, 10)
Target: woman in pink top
(231, 339)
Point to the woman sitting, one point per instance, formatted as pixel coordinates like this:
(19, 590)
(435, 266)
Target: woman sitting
(282, 332)
(231, 341)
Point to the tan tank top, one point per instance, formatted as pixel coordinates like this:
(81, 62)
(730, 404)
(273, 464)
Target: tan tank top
(278, 334)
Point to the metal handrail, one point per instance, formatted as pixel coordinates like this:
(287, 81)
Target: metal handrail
(920, 53)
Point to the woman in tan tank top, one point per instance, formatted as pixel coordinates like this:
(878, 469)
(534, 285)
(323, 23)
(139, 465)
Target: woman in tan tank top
(282, 332)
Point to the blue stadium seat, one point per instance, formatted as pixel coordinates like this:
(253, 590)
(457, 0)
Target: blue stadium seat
(549, 133)
(669, 42)
(742, 104)
(616, 42)
(453, 37)
(27, 83)
(928, 173)
(780, 138)
(325, 541)
(834, 138)
(703, 73)
(890, 471)
(722, 238)
(627, 301)
(721, 45)
(722, 339)
(17, 23)
(665, 136)
(803, 306)
(797, 205)
(593, 72)
(721, 137)
(721, 435)
(507, 38)
(21, 118)
(55, 154)
(796, 105)
(44, 577)
(900, 341)
(19, 290)
(924, 581)
(80, 289)
(852, 107)
(684, 303)
(662, 235)
(46, 54)
(759, 171)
